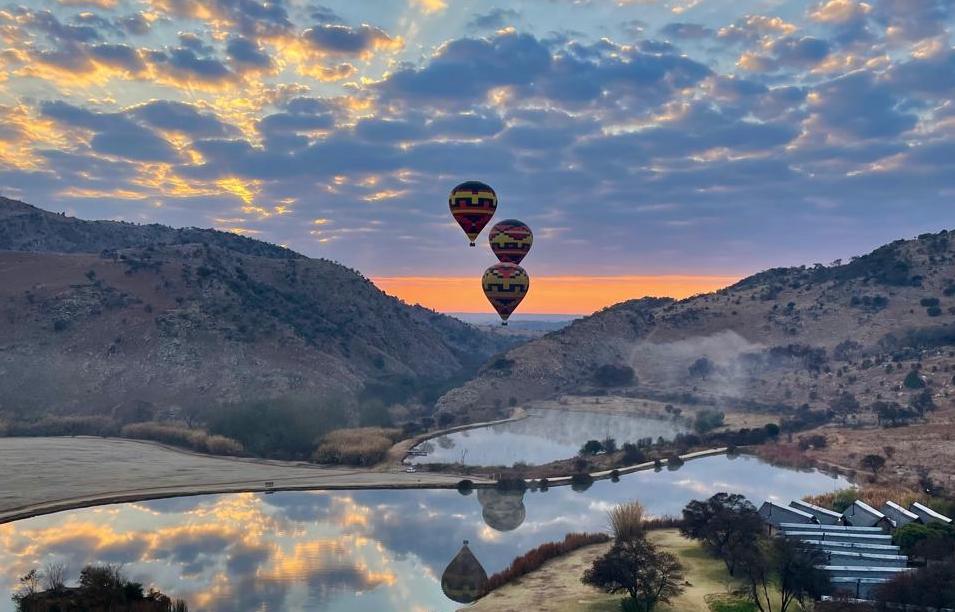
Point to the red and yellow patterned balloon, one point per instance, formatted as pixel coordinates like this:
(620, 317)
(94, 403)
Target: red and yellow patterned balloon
(511, 240)
(472, 204)
(505, 285)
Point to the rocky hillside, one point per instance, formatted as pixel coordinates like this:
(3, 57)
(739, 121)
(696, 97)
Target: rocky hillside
(784, 337)
(100, 316)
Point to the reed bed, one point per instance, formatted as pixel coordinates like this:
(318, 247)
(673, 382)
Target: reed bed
(179, 435)
(359, 446)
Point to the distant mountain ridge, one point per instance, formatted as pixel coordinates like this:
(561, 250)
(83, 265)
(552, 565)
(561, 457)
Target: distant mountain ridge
(98, 316)
(27, 228)
(780, 337)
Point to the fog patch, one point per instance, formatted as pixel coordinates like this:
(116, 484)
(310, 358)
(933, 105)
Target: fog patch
(667, 365)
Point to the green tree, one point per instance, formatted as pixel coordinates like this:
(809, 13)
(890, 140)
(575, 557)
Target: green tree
(727, 524)
(873, 463)
(788, 565)
(648, 575)
(913, 380)
(701, 368)
(591, 447)
(923, 402)
(614, 376)
(845, 405)
(708, 420)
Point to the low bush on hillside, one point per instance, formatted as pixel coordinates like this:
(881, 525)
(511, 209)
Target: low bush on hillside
(875, 496)
(609, 375)
(536, 557)
(178, 435)
(361, 446)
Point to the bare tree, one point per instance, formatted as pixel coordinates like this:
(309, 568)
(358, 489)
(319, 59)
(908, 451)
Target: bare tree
(54, 576)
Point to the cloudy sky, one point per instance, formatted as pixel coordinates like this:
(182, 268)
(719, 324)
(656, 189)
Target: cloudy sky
(695, 139)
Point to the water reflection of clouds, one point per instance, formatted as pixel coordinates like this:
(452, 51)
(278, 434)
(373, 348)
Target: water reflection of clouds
(348, 551)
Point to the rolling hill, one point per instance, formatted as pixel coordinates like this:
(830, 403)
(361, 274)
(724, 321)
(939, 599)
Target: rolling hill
(779, 339)
(105, 317)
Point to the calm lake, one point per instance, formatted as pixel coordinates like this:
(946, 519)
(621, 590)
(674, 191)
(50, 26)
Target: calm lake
(354, 550)
(542, 437)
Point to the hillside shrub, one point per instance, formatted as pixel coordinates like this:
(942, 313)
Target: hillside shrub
(609, 375)
(708, 420)
(913, 380)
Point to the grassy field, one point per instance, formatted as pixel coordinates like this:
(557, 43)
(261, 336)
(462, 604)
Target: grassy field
(556, 587)
(41, 475)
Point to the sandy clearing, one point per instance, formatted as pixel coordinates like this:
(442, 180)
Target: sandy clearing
(556, 586)
(43, 475)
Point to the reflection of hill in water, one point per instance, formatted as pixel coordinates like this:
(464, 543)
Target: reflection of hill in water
(545, 435)
(502, 510)
(575, 428)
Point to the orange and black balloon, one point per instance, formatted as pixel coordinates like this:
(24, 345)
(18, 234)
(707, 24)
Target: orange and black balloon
(505, 285)
(472, 204)
(511, 240)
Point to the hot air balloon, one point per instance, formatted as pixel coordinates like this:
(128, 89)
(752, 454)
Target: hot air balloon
(511, 240)
(505, 285)
(502, 510)
(472, 204)
(464, 580)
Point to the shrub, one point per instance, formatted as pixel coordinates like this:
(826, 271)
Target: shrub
(874, 463)
(591, 447)
(708, 420)
(632, 454)
(933, 311)
(360, 446)
(929, 586)
(221, 445)
(284, 428)
(913, 380)
(178, 435)
(614, 376)
(929, 302)
(65, 426)
(701, 368)
(626, 521)
(536, 557)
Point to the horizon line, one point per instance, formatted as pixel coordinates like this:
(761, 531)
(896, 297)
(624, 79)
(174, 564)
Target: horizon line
(570, 295)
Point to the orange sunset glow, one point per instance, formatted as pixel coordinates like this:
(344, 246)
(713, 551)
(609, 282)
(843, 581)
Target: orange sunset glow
(551, 294)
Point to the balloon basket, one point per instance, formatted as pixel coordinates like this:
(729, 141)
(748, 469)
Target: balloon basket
(472, 244)
(503, 323)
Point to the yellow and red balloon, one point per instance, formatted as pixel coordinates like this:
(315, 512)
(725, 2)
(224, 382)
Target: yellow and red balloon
(472, 204)
(511, 240)
(505, 285)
